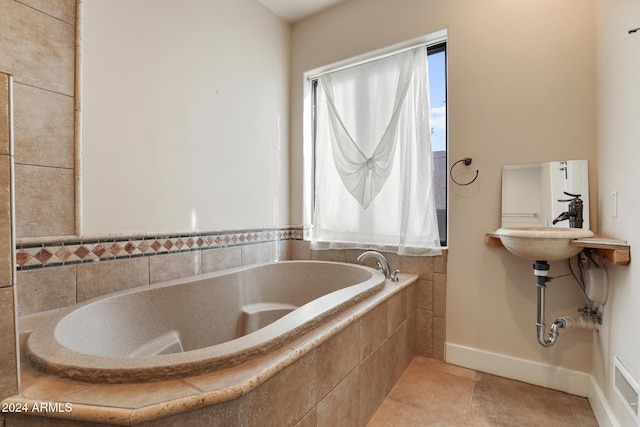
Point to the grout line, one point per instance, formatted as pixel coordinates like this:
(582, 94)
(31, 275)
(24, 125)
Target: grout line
(473, 392)
(44, 13)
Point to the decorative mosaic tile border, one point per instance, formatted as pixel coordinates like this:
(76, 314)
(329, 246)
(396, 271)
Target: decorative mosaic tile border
(39, 255)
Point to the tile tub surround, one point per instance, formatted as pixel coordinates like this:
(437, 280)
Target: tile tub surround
(431, 290)
(342, 370)
(73, 275)
(9, 381)
(31, 255)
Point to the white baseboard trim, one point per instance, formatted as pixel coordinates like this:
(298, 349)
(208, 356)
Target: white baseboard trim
(599, 405)
(553, 377)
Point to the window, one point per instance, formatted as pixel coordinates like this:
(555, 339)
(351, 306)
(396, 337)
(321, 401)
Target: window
(436, 60)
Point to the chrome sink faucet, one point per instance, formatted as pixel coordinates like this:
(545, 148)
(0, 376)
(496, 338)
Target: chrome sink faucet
(574, 214)
(383, 264)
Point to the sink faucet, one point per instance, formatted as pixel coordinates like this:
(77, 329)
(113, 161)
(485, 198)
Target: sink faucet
(383, 264)
(574, 214)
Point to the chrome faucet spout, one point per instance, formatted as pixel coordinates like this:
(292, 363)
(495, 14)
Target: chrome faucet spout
(383, 264)
(575, 212)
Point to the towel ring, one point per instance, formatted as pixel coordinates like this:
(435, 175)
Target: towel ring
(467, 162)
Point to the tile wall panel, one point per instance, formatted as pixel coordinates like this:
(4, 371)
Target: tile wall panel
(64, 10)
(221, 259)
(44, 201)
(174, 266)
(185, 255)
(374, 382)
(36, 48)
(43, 125)
(4, 114)
(8, 360)
(46, 289)
(340, 408)
(6, 228)
(100, 278)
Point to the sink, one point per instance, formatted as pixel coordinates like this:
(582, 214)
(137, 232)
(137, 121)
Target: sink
(542, 243)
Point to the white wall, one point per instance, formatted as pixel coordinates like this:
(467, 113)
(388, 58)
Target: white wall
(618, 153)
(521, 89)
(185, 116)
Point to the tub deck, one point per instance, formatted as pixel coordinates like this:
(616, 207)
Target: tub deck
(376, 338)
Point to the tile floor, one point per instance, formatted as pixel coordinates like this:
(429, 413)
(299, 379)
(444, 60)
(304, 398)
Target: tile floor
(433, 393)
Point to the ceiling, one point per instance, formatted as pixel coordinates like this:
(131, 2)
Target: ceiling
(295, 10)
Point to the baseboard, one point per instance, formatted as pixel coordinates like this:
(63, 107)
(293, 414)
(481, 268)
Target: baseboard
(553, 377)
(599, 405)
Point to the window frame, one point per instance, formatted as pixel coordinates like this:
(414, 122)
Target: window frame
(435, 43)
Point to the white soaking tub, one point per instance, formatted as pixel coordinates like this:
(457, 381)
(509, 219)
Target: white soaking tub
(197, 324)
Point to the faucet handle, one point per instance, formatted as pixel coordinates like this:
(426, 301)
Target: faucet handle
(394, 275)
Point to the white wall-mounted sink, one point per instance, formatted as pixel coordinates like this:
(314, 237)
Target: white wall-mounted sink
(542, 243)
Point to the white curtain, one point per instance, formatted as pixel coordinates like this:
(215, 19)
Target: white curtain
(374, 168)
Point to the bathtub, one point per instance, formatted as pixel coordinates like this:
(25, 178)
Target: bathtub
(197, 324)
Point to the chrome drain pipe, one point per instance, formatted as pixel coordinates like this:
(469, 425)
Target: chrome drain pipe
(542, 327)
(541, 271)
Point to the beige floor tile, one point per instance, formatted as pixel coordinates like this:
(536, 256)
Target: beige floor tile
(434, 393)
(438, 365)
(440, 393)
(397, 414)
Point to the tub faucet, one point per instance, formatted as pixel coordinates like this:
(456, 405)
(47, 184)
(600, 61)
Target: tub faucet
(574, 214)
(383, 264)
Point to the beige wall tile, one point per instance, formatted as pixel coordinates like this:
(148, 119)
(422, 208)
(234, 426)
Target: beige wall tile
(396, 311)
(440, 263)
(6, 229)
(412, 298)
(439, 294)
(425, 294)
(420, 265)
(101, 278)
(374, 383)
(4, 114)
(281, 250)
(38, 49)
(439, 336)
(8, 362)
(174, 266)
(44, 201)
(64, 10)
(221, 259)
(336, 358)
(329, 255)
(299, 249)
(340, 407)
(293, 387)
(400, 355)
(413, 333)
(309, 420)
(373, 329)
(258, 253)
(424, 333)
(46, 289)
(43, 127)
